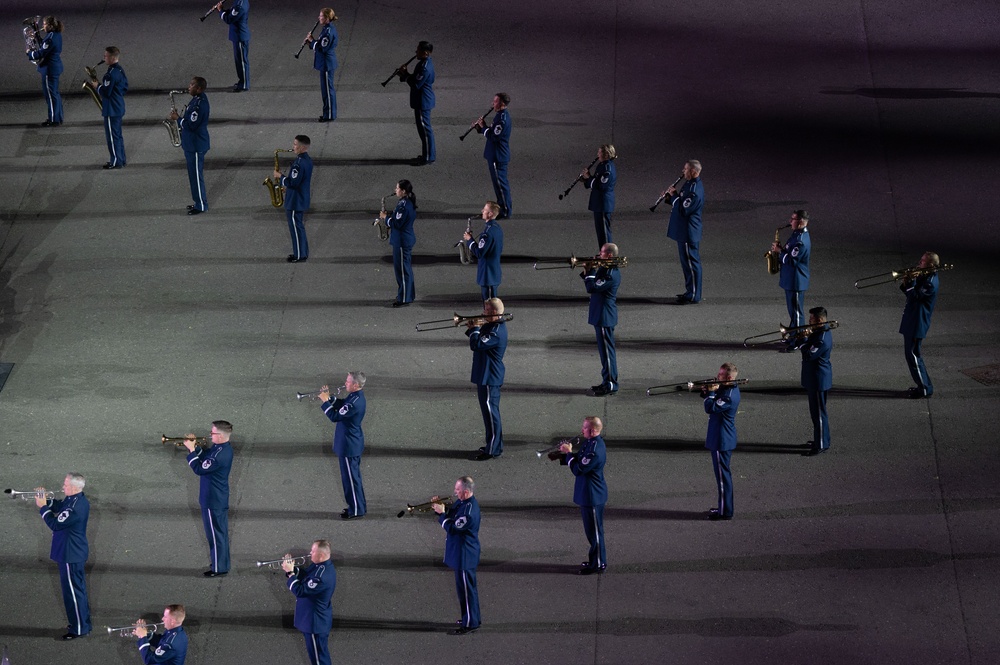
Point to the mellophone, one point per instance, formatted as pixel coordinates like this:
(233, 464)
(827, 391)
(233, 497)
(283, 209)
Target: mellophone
(691, 386)
(457, 320)
(30, 495)
(469, 130)
(129, 631)
(425, 507)
(554, 453)
(906, 274)
(578, 179)
(587, 262)
(275, 564)
(786, 333)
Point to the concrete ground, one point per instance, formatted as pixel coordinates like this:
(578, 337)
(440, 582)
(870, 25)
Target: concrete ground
(123, 319)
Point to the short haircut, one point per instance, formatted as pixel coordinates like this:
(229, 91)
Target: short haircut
(610, 151)
(358, 377)
(819, 311)
(801, 214)
(612, 248)
(695, 164)
(731, 370)
(328, 13)
(200, 82)
(595, 423)
(76, 479)
(496, 304)
(177, 612)
(223, 426)
(935, 260)
(425, 46)
(467, 483)
(494, 207)
(303, 140)
(322, 545)
(113, 50)
(504, 97)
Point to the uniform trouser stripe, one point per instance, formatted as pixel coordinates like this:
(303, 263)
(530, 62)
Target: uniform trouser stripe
(718, 476)
(465, 613)
(402, 274)
(76, 604)
(197, 177)
(215, 546)
(111, 141)
(49, 97)
(314, 656)
(597, 536)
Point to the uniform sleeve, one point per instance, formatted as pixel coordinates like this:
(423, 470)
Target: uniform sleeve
(161, 653)
(481, 342)
(233, 15)
(194, 118)
(418, 81)
(484, 247)
(306, 587)
(466, 522)
(295, 176)
(597, 284)
(581, 465)
(58, 518)
(790, 253)
(690, 200)
(338, 410)
(203, 467)
(718, 403)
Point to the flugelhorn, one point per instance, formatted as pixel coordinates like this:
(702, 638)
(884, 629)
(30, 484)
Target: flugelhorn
(425, 506)
(586, 261)
(178, 441)
(274, 188)
(578, 179)
(658, 201)
(275, 564)
(171, 125)
(129, 631)
(458, 320)
(379, 223)
(785, 333)
(315, 393)
(30, 495)
(772, 257)
(469, 130)
(691, 386)
(305, 41)
(464, 253)
(399, 71)
(553, 452)
(896, 275)
(92, 75)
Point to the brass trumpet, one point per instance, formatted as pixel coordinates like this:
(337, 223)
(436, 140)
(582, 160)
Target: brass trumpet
(274, 188)
(275, 564)
(30, 495)
(129, 631)
(178, 441)
(774, 258)
(457, 320)
(784, 333)
(587, 262)
(691, 386)
(554, 453)
(92, 75)
(425, 507)
(895, 275)
(315, 393)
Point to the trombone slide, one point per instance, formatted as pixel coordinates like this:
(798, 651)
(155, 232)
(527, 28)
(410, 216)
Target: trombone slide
(896, 275)
(691, 386)
(784, 333)
(457, 320)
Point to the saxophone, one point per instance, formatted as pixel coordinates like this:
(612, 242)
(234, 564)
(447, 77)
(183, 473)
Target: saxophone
(172, 129)
(774, 258)
(274, 188)
(379, 223)
(464, 253)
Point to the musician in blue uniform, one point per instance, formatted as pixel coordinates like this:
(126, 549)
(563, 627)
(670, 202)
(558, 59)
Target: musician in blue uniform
(602, 284)
(193, 126)
(461, 550)
(421, 83)
(170, 648)
(213, 465)
(590, 492)
(325, 61)
(722, 402)
(112, 91)
(402, 240)
(685, 228)
(348, 440)
(794, 275)
(921, 294)
(817, 376)
(488, 341)
(236, 18)
(497, 151)
(48, 60)
(487, 250)
(297, 186)
(313, 586)
(67, 518)
(602, 191)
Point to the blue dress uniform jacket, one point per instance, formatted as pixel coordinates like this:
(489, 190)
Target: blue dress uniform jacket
(794, 257)
(169, 648)
(488, 344)
(721, 409)
(602, 187)
(112, 91)
(588, 466)
(461, 523)
(194, 125)
(921, 295)
(67, 518)
(236, 17)
(602, 285)
(349, 439)
(313, 587)
(297, 183)
(400, 223)
(324, 49)
(48, 56)
(497, 135)
(817, 372)
(685, 212)
(487, 250)
(213, 466)
(421, 83)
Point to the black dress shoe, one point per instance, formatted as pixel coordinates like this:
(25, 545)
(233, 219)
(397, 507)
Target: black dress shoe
(916, 393)
(399, 303)
(813, 452)
(194, 211)
(463, 630)
(322, 119)
(683, 300)
(601, 391)
(347, 516)
(107, 165)
(212, 573)
(715, 515)
(291, 259)
(190, 207)
(51, 123)
(483, 456)
(591, 570)
(72, 636)
(238, 88)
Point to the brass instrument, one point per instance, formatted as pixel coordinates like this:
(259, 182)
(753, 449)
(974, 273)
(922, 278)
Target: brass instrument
(469, 130)
(30, 495)
(129, 631)
(553, 452)
(578, 179)
(425, 507)
(379, 223)
(464, 253)
(171, 125)
(587, 262)
(306, 41)
(315, 393)
(178, 441)
(456, 320)
(275, 564)
(785, 333)
(691, 386)
(905, 274)
(274, 188)
(32, 41)
(658, 201)
(92, 75)
(774, 258)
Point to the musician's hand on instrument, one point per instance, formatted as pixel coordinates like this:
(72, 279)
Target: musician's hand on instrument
(775, 247)
(140, 629)
(566, 447)
(466, 236)
(277, 175)
(585, 174)
(40, 497)
(324, 393)
(218, 6)
(671, 191)
(286, 563)
(437, 507)
(383, 214)
(309, 38)
(173, 115)
(189, 442)
(481, 123)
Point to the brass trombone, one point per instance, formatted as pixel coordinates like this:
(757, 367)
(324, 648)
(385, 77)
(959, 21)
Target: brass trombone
(587, 262)
(315, 393)
(785, 333)
(425, 507)
(129, 631)
(458, 320)
(895, 275)
(92, 75)
(178, 441)
(30, 495)
(275, 564)
(553, 452)
(691, 386)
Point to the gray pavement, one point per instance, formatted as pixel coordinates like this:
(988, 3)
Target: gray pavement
(124, 319)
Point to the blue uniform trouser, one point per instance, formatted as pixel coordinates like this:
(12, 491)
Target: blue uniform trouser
(911, 348)
(241, 55)
(691, 266)
(821, 426)
(426, 134)
(318, 648)
(116, 144)
(196, 177)
(74, 590)
(216, 521)
(53, 100)
(724, 480)
(602, 225)
(354, 490)
(489, 291)
(796, 300)
(593, 526)
(329, 94)
(297, 229)
(468, 597)
(489, 404)
(498, 173)
(609, 359)
(402, 265)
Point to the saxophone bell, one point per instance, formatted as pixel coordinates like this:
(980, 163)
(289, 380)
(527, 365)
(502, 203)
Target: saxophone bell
(274, 188)
(172, 128)
(772, 257)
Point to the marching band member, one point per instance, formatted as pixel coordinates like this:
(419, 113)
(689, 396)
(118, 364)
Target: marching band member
(590, 492)
(461, 551)
(297, 185)
(48, 59)
(195, 142)
(170, 648)
(497, 151)
(794, 275)
(213, 465)
(313, 588)
(349, 440)
(487, 250)
(325, 62)
(237, 17)
(402, 240)
(488, 342)
(112, 91)
(685, 228)
(721, 405)
(817, 377)
(421, 83)
(602, 284)
(921, 294)
(67, 518)
(602, 191)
